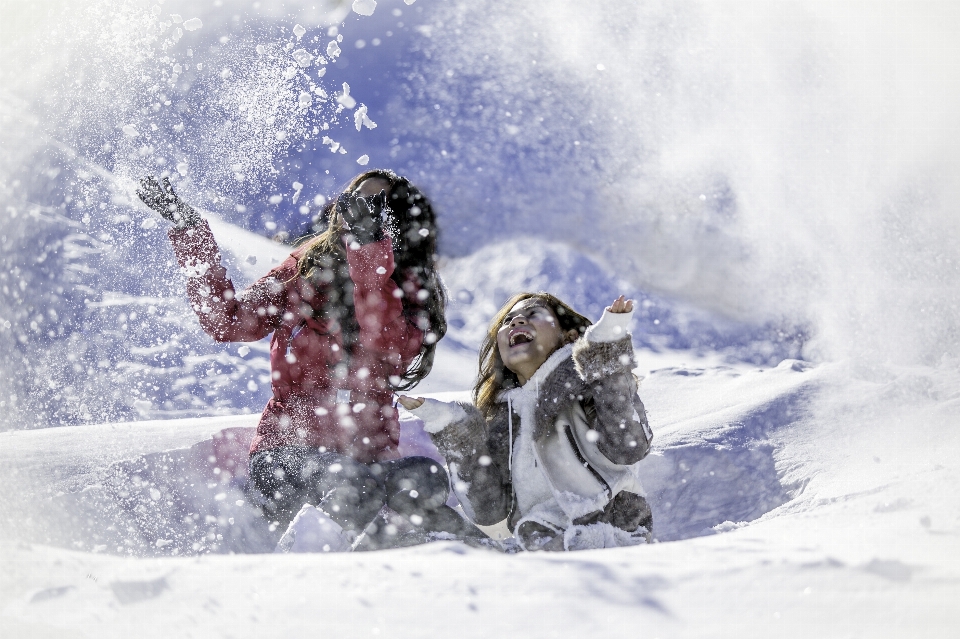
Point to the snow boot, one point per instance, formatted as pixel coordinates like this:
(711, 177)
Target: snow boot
(313, 531)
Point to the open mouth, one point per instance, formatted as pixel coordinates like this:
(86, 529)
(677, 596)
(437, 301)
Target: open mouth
(520, 337)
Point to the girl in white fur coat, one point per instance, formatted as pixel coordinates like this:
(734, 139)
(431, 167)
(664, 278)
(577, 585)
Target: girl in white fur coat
(552, 441)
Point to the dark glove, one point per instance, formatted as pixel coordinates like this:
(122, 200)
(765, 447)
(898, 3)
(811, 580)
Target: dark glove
(364, 215)
(160, 197)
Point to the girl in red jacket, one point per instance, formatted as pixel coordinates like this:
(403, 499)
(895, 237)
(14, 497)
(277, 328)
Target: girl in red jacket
(355, 313)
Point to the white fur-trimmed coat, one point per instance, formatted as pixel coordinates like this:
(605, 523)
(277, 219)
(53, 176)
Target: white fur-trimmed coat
(560, 452)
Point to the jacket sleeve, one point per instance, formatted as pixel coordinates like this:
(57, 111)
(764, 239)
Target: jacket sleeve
(384, 329)
(604, 359)
(461, 435)
(224, 314)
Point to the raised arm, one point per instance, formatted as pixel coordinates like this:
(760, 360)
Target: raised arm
(226, 315)
(384, 330)
(605, 360)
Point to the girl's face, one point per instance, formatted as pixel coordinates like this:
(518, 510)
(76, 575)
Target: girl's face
(528, 335)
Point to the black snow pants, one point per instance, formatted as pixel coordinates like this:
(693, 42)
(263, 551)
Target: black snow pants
(352, 493)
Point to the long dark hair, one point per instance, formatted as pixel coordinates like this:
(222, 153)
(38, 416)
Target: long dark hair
(414, 232)
(494, 376)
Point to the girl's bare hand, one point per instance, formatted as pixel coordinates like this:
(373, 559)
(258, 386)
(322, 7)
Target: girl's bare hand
(621, 305)
(410, 403)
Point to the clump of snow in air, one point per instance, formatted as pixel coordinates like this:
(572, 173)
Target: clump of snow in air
(335, 147)
(192, 24)
(182, 168)
(363, 160)
(345, 100)
(333, 50)
(303, 57)
(364, 7)
(360, 118)
(130, 131)
(298, 31)
(408, 2)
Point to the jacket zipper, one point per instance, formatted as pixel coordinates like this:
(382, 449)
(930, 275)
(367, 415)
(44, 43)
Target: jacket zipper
(585, 463)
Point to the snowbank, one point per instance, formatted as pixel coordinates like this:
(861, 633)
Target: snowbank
(860, 536)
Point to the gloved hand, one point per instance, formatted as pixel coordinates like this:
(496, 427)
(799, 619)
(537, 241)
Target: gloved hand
(364, 215)
(160, 197)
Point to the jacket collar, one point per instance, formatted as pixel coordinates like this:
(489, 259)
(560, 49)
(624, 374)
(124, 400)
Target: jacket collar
(546, 369)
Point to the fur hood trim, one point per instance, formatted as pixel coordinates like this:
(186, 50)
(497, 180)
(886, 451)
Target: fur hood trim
(566, 377)
(555, 359)
(545, 394)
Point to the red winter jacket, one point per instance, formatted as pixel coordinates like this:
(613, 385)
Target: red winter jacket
(305, 352)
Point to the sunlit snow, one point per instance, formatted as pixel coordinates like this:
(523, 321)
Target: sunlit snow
(364, 7)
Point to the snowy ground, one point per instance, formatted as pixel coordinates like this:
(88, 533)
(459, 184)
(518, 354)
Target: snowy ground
(793, 501)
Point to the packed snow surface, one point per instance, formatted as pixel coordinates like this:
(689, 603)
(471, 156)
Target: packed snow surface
(797, 500)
